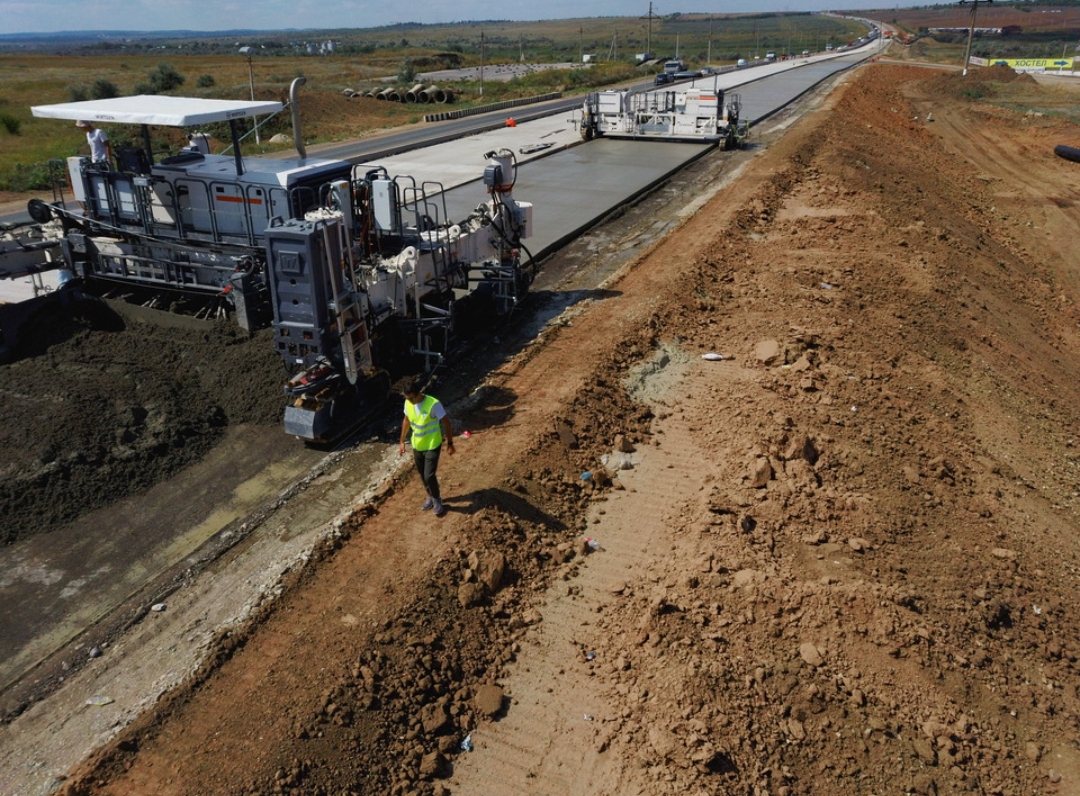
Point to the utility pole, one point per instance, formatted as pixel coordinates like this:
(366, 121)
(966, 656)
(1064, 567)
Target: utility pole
(581, 44)
(971, 31)
(708, 59)
(650, 16)
(481, 63)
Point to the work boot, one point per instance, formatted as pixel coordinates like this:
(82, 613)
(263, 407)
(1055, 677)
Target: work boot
(428, 504)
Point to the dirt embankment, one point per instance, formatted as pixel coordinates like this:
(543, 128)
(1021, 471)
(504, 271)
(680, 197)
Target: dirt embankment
(842, 560)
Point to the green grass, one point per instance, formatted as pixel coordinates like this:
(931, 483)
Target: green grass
(1051, 102)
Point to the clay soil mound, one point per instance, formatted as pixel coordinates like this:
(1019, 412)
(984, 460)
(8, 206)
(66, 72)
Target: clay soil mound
(840, 560)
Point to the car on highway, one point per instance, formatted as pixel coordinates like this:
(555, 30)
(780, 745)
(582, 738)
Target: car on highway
(664, 78)
(741, 63)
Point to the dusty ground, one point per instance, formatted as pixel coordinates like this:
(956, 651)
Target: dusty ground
(841, 560)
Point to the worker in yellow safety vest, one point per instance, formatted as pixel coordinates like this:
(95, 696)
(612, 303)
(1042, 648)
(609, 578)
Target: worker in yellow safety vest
(426, 418)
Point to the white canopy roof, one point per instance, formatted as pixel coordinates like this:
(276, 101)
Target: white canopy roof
(156, 109)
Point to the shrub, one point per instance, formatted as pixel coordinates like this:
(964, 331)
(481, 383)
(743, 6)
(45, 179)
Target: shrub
(104, 89)
(78, 93)
(27, 178)
(164, 78)
(10, 123)
(205, 81)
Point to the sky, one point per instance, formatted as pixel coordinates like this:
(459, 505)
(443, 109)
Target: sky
(43, 16)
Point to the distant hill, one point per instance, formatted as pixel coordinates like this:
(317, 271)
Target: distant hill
(97, 35)
(67, 40)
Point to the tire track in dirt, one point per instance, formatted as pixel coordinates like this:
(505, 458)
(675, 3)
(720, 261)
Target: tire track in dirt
(566, 710)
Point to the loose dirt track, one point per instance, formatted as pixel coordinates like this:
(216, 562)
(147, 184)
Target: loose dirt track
(842, 560)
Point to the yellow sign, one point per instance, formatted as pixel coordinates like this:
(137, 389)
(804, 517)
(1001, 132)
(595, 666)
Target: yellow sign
(1028, 64)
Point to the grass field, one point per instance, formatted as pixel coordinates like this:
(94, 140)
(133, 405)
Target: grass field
(1064, 20)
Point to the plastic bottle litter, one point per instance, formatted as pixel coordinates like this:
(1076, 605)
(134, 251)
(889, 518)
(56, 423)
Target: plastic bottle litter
(586, 476)
(465, 435)
(592, 544)
(158, 607)
(826, 285)
(590, 656)
(466, 745)
(713, 357)
(98, 701)
(588, 717)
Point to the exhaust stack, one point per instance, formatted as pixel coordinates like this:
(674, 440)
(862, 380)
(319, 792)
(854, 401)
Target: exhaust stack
(294, 104)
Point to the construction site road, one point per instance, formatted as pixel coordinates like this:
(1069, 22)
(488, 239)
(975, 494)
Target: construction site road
(264, 503)
(785, 506)
(60, 584)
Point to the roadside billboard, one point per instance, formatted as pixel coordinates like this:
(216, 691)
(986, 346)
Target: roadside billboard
(1029, 64)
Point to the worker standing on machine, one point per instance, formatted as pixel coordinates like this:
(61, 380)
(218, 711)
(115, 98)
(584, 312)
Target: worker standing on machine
(100, 148)
(426, 418)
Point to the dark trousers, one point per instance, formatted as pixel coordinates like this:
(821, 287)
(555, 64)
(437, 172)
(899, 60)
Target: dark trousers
(427, 462)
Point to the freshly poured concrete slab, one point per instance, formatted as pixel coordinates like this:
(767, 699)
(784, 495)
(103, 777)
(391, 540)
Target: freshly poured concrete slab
(762, 98)
(572, 184)
(571, 190)
(461, 161)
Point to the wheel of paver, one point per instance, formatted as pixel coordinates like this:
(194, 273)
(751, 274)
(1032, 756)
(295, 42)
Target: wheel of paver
(39, 211)
(1068, 152)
